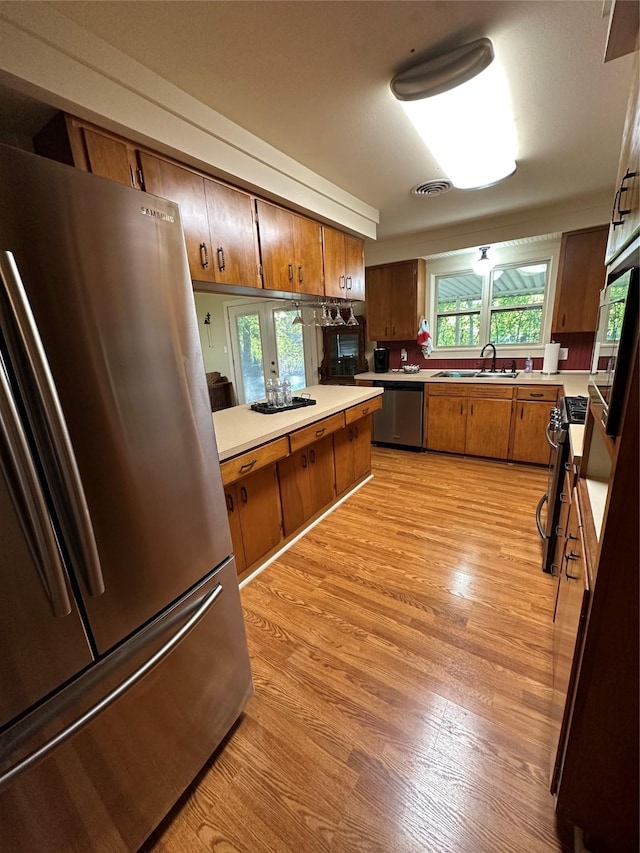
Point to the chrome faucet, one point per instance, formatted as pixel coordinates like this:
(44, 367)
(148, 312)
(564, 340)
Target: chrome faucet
(493, 357)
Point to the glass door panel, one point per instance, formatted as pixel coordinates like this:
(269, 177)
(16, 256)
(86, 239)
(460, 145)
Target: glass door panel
(289, 342)
(249, 364)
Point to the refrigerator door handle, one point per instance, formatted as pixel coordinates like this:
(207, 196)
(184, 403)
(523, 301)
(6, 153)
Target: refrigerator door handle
(36, 522)
(9, 776)
(37, 360)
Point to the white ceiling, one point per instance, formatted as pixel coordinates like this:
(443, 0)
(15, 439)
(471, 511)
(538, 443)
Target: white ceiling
(312, 79)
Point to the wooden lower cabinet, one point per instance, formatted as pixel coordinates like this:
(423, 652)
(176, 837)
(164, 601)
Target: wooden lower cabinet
(352, 446)
(475, 426)
(529, 443)
(253, 508)
(307, 483)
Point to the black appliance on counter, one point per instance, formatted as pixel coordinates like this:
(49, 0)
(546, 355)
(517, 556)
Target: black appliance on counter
(571, 410)
(381, 359)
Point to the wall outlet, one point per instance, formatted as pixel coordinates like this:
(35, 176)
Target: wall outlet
(564, 354)
(403, 354)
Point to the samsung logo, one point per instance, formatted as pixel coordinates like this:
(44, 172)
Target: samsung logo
(157, 214)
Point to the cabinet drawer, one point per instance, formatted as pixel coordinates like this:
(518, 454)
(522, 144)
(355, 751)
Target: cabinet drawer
(305, 436)
(253, 460)
(356, 412)
(537, 392)
(488, 391)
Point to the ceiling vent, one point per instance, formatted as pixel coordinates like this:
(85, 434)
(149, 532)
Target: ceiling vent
(431, 188)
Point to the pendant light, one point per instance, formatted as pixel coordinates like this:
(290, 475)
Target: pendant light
(483, 264)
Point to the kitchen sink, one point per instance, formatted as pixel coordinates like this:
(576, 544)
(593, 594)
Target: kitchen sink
(475, 374)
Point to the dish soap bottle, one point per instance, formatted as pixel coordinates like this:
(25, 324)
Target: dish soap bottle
(528, 365)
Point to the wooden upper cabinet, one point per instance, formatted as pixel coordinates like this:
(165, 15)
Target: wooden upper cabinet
(343, 265)
(72, 141)
(395, 295)
(172, 182)
(291, 250)
(217, 221)
(234, 239)
(625, 217)
(581, 277)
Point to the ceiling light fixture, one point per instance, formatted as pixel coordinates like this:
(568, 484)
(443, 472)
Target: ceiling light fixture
(460, 105)
(483, 264)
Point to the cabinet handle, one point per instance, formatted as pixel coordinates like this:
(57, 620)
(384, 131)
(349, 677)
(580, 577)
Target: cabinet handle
(319, 432)
(290, 272)
(563, 317)
(355, 429)
(573, 556)
(204, 256)
(243, 494)
(521, 412)
(386, 331)
(304, 460)
(558, 530)
(229, 502)
(312, 456)
(350, 435)
(617, 210)
(536, 395)
(248, 465)
(563, 498)
(472, 410)
(461, 408)
(300, 276)
(568, 466)
(349, 282)
(572, 577)
(221, 261)
(554, 570)
(365, 411)
(342, 284)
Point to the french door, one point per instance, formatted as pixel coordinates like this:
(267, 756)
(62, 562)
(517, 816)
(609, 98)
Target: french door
(265, 343)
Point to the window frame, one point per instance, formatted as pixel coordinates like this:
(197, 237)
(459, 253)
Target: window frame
(459, 263)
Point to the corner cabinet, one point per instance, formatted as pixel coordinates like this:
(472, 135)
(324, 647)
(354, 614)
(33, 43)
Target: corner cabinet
(395, 296)
(581, 277)
(291, 250)
(218, 222)
(343, 265)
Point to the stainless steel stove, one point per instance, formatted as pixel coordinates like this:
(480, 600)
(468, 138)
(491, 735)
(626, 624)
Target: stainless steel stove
(573, 409)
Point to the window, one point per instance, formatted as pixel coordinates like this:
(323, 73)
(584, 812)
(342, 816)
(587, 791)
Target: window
(505, 306)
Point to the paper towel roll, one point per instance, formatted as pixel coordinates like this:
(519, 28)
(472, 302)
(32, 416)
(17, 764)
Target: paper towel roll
(551, 355)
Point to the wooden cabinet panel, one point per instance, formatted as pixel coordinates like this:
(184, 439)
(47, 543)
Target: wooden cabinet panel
(367, 408)
(307, 483)
(488, 425)
(581, 277)
(319, 429)
(529, 443)
(186, 189)
(233, 235)
(233, 514)
(291, 250)
(108, 158)
(447, 424)
(352, 447)
(253, 460)
(321, 473)
(343, 264)
(395, 295)
(362, 448)
(255, 517)
(537, 392)
(307, 243)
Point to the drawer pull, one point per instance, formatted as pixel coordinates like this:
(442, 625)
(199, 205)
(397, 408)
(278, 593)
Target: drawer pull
(365, 411)
(536, 395)
(320, 432)
(248, 465)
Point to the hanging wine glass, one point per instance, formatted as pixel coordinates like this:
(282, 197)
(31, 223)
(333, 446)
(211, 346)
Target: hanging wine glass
(351, 319)
(297, 320)
(326, 316)
(339, 319)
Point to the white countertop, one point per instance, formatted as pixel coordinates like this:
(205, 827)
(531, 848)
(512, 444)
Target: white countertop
(239, 429)
(574, 381)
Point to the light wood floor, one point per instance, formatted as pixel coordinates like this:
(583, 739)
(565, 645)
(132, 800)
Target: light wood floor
(401, 655)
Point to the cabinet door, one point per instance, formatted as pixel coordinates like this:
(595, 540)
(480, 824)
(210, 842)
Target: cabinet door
(378, 296)
(335, 279)
(307, 241)
(321, 473)
(233, 514)
(275, 227)
(488, 426)
(568, 628)
(260, 516)
(362, 448)
(344, 449)
(446, 427)
(295, 490)
(109, 158)
(354, 266)
(233, 237)
(581, 277)
(404, 303)
(529, 440)
(187, 189)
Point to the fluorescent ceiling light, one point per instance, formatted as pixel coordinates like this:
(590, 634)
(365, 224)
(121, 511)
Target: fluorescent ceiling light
(460, 105)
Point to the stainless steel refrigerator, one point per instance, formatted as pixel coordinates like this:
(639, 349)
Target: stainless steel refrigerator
(123, 657)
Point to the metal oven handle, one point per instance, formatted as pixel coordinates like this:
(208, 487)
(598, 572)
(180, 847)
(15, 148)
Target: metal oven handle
(543, 500)
(549, 439)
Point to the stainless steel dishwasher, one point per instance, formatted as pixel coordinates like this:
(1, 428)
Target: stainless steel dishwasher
(399, 421)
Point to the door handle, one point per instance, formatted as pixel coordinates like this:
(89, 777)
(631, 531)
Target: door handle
(229, 498)
(243, 495)
(342, 283)
(40, 373)
(204, 256)
(290, 272)
(543, 500)
(300, 276)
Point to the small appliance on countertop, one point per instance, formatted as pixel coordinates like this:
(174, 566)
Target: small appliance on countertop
(381, 360)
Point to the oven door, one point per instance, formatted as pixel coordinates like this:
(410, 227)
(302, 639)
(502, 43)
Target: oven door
(557, 437)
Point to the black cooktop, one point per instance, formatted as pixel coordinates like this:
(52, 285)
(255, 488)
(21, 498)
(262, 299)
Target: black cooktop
(574, 409)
